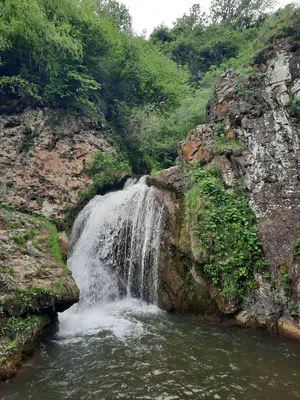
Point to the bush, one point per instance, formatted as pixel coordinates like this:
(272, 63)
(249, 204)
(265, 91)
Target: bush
(106, 169)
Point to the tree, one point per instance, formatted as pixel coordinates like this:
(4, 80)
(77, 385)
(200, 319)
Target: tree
(115, 12)
(240, 14)
(161, 35)
(195, 21)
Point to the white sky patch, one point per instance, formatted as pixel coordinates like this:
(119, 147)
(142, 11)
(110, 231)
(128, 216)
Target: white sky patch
(147, 14)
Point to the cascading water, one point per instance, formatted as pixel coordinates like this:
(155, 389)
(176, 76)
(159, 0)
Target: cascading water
(115, 345)
(114, 254)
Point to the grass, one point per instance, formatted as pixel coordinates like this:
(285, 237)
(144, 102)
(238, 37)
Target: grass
(52, 241)
(21, 238)
(30, 299)
(227, 146)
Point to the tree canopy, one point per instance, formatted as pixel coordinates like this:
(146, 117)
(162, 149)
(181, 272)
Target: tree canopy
(82, 56)
(71, 53)
(240, 14)
(116, 12)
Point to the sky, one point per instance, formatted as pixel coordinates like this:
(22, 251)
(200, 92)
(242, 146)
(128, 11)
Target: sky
(147, 14)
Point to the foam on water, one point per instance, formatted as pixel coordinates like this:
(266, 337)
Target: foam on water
(118, 317)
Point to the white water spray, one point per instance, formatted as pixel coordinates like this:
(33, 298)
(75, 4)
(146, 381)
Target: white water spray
(115, 252)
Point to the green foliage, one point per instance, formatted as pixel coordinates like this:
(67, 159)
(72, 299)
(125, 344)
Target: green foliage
(286, 283)
(240, 13)
(7, 350)
(226, 232)
(297, 249)
(9, 223)
(294, 104)
(279, 301)
(153, 136)
(271, 281)
(52, 241)
(115, 12)
(204, 46)
(18, 329)
(218, 128)
(227, 146)
(106, 169)
(10, 271)
(28, 140)
(30, 299)
(283, 23)
(292, 306)
(80, 55)
(21, 238)
(24, 236)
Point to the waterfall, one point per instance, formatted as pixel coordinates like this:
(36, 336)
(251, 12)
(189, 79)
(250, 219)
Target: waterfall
(114, 249)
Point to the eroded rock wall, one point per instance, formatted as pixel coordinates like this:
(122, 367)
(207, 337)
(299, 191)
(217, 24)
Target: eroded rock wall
(34, 285)
(260, 116)
(42, 159)
(181, 289)
(259, 144)
(43, 156)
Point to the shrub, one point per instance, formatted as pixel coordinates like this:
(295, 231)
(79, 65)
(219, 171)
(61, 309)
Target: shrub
(106, 169)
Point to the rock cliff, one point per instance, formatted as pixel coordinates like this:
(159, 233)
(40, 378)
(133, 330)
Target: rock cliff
(34, 285)
(252, 134)
(42, 161)
(43, 157)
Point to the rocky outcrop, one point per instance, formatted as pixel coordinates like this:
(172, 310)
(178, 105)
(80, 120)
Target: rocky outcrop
(43, 157)
(34, 285)
(265, 123)
(198, 145)
(171, 179)
(181, 289)
(252, 133)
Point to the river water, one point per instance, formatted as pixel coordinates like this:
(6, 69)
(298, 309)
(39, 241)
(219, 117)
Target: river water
(130, 350)
(116, 344)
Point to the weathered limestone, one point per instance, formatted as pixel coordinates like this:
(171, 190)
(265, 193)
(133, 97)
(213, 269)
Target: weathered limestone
(42, 160)
(256, 113)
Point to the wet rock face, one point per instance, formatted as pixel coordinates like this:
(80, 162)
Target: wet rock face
(181, 289)
(257, 112)
(42, 158)
(171, 179)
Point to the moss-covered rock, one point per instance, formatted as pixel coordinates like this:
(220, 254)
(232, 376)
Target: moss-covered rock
(34, 284)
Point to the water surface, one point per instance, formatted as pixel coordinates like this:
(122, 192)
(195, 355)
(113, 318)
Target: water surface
(130, 350)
